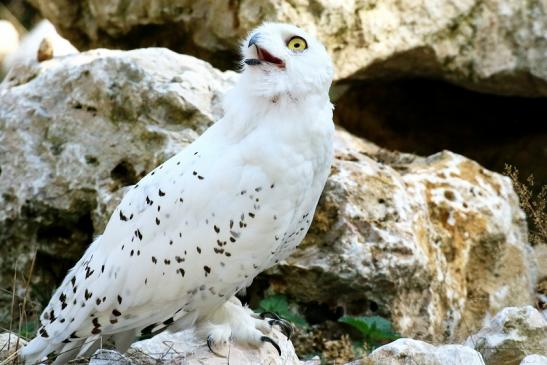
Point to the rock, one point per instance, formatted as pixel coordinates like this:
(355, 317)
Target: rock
(73, 131)
(496, 46)
(9, 40)
(9, 343)
(534, 360)
(408, 351)
(185, 347)
(30, 45)
(511, 335)
(435, 243)
(109, 357)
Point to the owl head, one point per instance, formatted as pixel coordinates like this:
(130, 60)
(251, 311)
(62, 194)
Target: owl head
(281, 59)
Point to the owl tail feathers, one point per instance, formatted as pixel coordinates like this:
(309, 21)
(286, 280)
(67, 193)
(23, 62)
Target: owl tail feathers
(35, 351)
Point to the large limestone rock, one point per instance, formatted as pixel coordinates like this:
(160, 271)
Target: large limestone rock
(511, 335)
(406, 351)
(488, 45)
(434, 243)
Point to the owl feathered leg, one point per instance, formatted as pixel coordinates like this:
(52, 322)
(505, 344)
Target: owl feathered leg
(233, 322)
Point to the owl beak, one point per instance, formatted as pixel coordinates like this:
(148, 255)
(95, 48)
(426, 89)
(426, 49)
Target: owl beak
(262, 54)
(253, 40)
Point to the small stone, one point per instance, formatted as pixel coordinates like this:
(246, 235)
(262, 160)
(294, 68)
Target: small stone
(511, 335)
(408, 351)
(9, 343)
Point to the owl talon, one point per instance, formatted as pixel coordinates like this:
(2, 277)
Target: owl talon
(285, 326)
(210, 344)
(274, 344)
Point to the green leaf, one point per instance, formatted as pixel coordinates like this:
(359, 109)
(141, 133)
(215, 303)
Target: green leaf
(373, 328)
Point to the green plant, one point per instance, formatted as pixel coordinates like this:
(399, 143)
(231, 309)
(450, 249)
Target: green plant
(374, 329)
(279, 304)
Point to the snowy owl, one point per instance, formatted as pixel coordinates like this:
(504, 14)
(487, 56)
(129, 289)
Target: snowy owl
(198, 228)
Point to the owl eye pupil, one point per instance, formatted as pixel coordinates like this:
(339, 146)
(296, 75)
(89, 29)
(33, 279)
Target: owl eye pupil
(297, 44)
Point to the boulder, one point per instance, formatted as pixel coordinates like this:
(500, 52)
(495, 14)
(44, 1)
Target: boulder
(493, 46)
(511, 335)
(406, 351)
(435, 243)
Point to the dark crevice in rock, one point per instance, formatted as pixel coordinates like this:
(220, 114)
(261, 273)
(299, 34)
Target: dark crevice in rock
(316, 313)
(124, 174)
(425, 116)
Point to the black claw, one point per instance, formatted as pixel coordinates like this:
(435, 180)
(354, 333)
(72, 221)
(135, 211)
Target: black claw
(269, 315)
(274, 344)
(285, 326)
(210, 345)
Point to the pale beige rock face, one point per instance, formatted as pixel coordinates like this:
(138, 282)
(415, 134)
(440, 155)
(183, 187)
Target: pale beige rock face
(435, 244)
(511, 335)
(488, 45)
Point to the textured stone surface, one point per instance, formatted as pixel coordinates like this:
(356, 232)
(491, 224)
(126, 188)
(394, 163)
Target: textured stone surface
(406, 351)
(184, 347)
(494, 45)
(75, 130)
(435, 243)
(511, 335)
(9, 343)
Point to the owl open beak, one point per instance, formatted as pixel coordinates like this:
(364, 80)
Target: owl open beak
(262, 55)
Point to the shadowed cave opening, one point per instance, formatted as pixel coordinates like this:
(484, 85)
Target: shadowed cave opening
(423, 116)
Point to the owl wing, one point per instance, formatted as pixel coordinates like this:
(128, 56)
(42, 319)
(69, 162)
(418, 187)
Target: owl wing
(186, 231)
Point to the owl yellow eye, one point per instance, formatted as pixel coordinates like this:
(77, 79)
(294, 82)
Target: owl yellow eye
(297, 44)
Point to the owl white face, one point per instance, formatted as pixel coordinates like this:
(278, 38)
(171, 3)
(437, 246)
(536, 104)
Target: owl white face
(283, 59)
